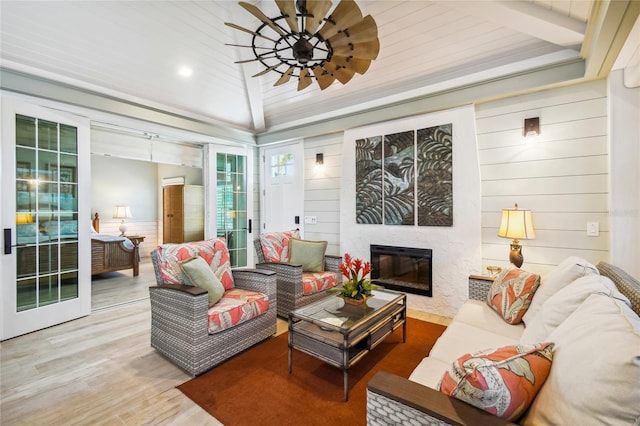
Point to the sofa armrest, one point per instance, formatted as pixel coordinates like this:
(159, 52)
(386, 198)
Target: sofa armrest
(189, 289)
(260, 280)
(479, 286)
(388, 394)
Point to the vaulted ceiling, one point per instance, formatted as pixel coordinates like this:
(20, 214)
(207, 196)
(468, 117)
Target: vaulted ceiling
(133, 50)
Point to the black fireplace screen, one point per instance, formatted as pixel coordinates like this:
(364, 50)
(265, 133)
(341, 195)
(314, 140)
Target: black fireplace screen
(404, 269)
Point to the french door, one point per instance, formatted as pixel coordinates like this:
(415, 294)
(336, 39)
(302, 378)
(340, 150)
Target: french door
(231, 198)
(45, 277)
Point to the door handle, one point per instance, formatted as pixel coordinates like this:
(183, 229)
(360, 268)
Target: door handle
(249, 230)
(7, 240)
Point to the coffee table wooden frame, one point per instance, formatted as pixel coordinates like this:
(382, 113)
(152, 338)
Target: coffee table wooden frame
(344, 346)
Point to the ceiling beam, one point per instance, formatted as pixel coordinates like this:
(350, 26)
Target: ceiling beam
(481, 91)
(527, 18)
(610, 24)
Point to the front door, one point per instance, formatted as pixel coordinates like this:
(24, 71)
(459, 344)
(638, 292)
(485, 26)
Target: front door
(46, 258)
(283, 190)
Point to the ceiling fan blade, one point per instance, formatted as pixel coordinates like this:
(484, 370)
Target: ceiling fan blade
(304, 80)
(345, 14)
(288, 9)
(358, 65)
(285, 77)
(238, 27)
(266, 70)
(342, 74)
(323, 77)
(250, 47)
(261, 16)
(366, 50)
(318, 8)
(363, 31)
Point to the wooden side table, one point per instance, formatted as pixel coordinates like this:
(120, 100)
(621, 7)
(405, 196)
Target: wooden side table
(136, 240)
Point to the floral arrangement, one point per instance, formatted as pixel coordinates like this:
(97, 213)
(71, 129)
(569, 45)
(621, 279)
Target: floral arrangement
(357, 286)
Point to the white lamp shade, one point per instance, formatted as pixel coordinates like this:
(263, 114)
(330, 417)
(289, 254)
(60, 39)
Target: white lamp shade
(122, 212)
(516, 224)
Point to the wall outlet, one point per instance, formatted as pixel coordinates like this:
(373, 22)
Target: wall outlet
(593, 229)
(311, 219)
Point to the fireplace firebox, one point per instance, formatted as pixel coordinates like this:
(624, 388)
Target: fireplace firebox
(404, 269)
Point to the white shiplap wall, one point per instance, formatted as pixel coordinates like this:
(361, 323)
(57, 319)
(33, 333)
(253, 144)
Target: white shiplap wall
(562, 177)
(322, 189)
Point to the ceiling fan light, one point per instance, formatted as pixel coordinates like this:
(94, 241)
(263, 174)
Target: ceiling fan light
(302, 51)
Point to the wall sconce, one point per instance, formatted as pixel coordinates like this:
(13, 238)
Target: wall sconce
(531, 127)
(516, 224)
(319, 159)
(122, 212)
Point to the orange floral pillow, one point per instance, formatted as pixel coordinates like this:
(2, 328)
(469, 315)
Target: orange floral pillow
(511, 293)
(503, 382)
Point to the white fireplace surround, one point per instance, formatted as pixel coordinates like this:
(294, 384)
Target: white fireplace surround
(456, 249)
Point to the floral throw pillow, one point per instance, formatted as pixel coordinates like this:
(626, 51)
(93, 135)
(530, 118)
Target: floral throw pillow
(511, 293)
(275, 245)
(503, 382)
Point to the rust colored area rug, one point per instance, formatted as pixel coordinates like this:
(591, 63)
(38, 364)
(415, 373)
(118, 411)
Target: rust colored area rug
(255, 386)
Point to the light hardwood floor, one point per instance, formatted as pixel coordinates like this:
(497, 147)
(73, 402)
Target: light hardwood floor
(100, 369)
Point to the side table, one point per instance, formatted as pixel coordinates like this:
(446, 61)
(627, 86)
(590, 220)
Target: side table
(479, 286)
(136, 240)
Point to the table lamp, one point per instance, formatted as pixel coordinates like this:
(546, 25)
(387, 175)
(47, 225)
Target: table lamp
(516, 224)
(122, 212)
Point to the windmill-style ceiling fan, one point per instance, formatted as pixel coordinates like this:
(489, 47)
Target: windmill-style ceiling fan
(326, 49)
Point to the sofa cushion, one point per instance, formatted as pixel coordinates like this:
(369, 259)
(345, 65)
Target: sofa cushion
(567, 271)
(214, 252)
(596, 368)
(235, 307)
(309, 254)
(429, 372)
(460, 338)
(560, 305)
(511, 293)
(478, 314)
(501, 381)
(275, 245)
(196, 272)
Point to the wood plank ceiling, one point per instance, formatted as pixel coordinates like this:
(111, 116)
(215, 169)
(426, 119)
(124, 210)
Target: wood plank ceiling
(133, 50)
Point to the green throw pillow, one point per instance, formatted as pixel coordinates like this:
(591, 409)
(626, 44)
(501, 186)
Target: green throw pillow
(309, 254)
(196, 272)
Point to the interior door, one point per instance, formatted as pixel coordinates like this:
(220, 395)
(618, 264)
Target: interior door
(172, 212)
(46, 269)
(283, 189)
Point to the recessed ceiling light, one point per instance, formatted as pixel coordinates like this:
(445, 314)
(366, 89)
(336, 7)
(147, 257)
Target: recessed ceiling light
(185, 71)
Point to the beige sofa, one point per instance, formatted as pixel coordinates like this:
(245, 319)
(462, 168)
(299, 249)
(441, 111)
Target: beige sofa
(594, 377)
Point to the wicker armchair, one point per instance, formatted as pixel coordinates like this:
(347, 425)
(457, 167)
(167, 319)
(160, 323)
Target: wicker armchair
(290, 279)
(180, 324)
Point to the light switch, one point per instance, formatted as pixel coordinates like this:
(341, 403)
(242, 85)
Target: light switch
(593, 229)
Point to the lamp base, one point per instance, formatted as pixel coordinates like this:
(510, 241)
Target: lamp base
(515, 255)
(122, 228)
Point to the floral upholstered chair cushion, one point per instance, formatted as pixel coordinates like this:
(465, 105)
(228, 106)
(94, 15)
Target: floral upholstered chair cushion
(503, 381)
(235, 307)
(313, 282)
(275, 245)
(214, 252)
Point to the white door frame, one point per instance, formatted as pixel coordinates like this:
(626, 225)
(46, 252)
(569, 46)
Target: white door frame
(16, 323)
(209, 177)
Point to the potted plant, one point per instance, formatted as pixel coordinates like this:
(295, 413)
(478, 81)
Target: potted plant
(357, 288)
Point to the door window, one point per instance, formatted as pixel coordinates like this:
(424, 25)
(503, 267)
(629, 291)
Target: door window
(46, 212)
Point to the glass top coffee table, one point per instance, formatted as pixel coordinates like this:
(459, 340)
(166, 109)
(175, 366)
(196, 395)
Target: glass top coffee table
(341, 334)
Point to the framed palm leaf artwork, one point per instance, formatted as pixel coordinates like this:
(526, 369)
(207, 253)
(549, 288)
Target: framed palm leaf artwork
(406, 178)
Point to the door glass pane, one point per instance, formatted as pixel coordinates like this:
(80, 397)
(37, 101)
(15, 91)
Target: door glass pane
(231, 215)
(46, 212)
